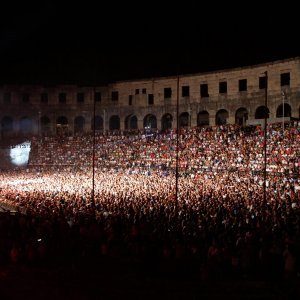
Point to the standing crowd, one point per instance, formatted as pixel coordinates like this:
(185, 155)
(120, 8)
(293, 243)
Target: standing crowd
(217, 211)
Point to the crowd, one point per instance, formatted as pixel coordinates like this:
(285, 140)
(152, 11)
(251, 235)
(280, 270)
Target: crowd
(213, 216)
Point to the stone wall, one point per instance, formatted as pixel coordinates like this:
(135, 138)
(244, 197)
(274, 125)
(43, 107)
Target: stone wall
(135, 104)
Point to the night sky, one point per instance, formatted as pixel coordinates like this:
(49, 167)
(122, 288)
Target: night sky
(96, 44)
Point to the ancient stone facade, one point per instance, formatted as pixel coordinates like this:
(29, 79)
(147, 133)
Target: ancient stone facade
(220, 97)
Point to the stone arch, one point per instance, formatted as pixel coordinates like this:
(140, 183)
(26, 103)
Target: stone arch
(98, 123)
(79, 123)
(114, 122)
(7, 126)
(62, 125)
(45, 125)
(26, 126)
(261, 112)
(166, 121)
(150, 121)
(241, 116)
(184, 120)
(221, 117)
(131, 122)
(62, 120)
(283, 110)
(203, 118)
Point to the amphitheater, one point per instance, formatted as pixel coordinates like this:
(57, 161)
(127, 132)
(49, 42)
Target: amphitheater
(101, 178)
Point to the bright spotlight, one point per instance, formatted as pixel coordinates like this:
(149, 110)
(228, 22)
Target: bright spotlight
(19, 154)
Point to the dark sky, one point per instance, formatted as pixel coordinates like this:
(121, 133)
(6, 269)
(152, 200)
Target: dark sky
(88, 43)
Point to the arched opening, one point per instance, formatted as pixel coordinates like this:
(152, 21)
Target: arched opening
(131, 122)
(79, 123)
(283, 110)
(150, 122)
(62, 126)
(45, 125)
(98, 123)
(166, 122)
(262, 112)
(203, 118)
(61, 121)
(114, 123)
(184, 120)
(7, 127)
(241, 116)
(25, 126)
(221, 117)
